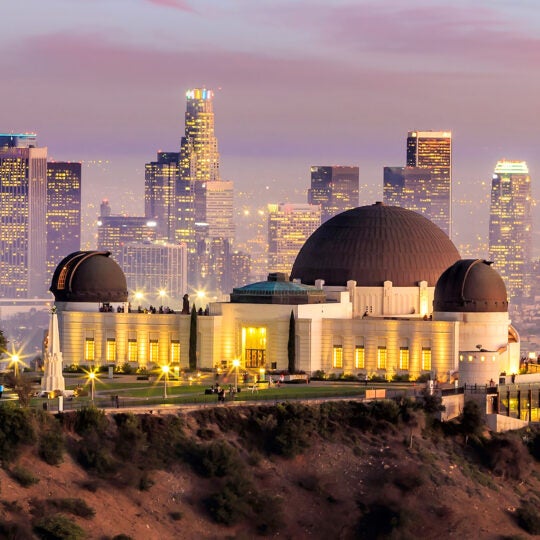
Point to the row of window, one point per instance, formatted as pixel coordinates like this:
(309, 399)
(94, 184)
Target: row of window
(360, 358)
(132, 351)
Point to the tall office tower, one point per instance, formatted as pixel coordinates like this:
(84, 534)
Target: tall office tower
(432, 150)
(335, 188)
(23, 203)
(63, 211)
(510, 226)
(196, 215)
(159, 192)
(116, 231)
(408, 187)
(240, 268)
(289, 225)
(158, 270)
(105, 208)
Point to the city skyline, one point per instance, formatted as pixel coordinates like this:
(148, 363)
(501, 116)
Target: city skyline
(341, 85)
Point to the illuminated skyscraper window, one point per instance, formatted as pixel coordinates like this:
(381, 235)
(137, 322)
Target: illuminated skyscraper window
(431, 150)
(23, 203)
(288, 227)
(63, 211)
(335, 188)
(510, 225)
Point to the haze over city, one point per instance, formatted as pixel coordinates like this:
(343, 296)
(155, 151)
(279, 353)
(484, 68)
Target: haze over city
(296, 84)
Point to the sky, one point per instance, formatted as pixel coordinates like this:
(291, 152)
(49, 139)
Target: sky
(297, 83)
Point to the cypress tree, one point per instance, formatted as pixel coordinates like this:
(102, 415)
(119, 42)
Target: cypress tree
(193, 339)
(291, 344)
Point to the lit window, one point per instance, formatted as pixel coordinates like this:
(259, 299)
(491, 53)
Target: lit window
(154, 351)
(132, 351)
(338, 356)
(426, 358)
(360, 357)
(381, 358)
(175, 352)
(111, 350)
(89, 350)
(404, 358)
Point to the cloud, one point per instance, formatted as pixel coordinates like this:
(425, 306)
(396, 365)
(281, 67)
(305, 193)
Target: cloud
(181, 5)
(417, 34)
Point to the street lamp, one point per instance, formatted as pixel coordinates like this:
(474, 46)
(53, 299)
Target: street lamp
(15, 359)
(236, 364)
(162, 294)
(165, 371)
(262, 372)
(92, 377)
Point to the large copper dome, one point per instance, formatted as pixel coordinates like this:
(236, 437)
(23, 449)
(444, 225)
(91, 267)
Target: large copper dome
(374, 244)
(89, 276)
(470, 286)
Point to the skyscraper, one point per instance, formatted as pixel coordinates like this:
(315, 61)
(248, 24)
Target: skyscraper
(432, 150)
(408, 187)
(196, 213)
(115, 231)
(157, 270)
(161, 177)
(335, 188)
(510, 225)
(23, 203)
(63, 211)
(288, 227)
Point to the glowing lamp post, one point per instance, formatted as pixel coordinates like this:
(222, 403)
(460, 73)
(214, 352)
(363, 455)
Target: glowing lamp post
(165, 371)
(92, 377)
(262, 372)
(162, 294)
(15, 359)
(236, 364)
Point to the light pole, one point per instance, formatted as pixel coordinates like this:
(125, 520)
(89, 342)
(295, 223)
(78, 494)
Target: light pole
(262, 372)
(165, 371)
(92, 377)
(236, 364)
(15, 360)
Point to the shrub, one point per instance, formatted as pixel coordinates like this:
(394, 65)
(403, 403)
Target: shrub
(176, 515)
(232, 502)
(72, 505)
(318, 375)
(215, 459)
(401, 377)
(74, 368)
(127, 368)
(528, 517)
(17, 429)
(471, 419)
(377, 378)
(58, 527)
(15, 531)
(23, 476)
(506, 456)
(51, 446)
(130, 438)
(145, 482)
(89, 419)
(424, 377)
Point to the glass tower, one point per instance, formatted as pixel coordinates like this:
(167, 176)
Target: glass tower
(63, 211)
(432, 150)
(510, 225)
(335, 188)
(23, 203)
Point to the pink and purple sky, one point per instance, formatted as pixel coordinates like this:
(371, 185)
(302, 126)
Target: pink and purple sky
(297, 82)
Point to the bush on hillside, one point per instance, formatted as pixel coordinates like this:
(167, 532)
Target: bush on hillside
(16, 430)
(58, 527)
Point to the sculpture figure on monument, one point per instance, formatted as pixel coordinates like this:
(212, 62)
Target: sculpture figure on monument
(53, 378)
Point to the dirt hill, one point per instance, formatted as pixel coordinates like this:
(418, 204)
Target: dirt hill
(337, 470)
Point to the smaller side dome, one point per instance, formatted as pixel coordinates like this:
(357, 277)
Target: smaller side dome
(470, 286)
(89, 276)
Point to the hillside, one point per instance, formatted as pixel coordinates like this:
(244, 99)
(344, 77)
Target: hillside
(337, 470)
